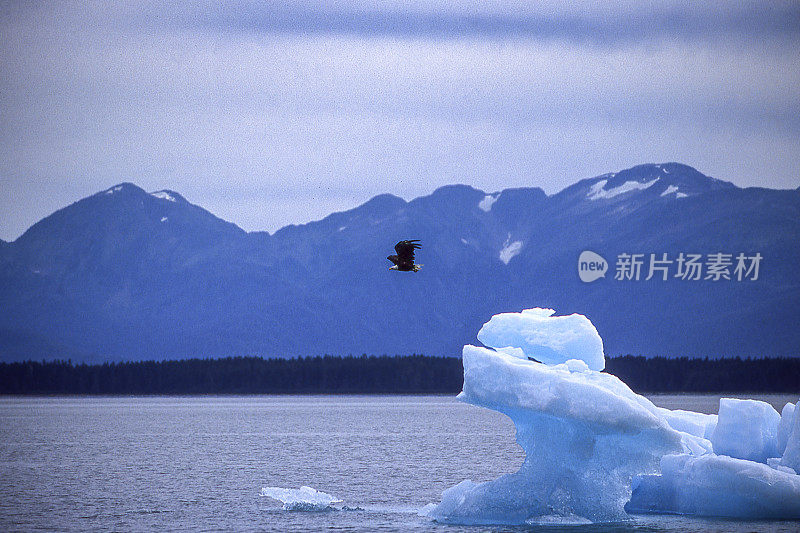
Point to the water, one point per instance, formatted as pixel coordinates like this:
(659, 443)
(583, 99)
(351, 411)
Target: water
(198, 464)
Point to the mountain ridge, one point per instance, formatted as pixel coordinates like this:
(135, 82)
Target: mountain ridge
(127, 274)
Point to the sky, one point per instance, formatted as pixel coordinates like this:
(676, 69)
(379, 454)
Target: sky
(275, 113)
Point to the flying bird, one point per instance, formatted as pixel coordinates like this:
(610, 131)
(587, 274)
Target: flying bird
(404, 260)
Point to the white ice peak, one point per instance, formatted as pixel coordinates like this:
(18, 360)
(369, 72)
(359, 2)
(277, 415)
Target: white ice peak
(597, 192)
(510, 249)
(164, 195)
(488, 201)
(548, 339)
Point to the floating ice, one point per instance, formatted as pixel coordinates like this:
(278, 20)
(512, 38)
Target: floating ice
(302, 499)
(549, 339)
(585, 435)
(596, 450)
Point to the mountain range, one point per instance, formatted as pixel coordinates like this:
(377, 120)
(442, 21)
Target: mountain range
(125, 274)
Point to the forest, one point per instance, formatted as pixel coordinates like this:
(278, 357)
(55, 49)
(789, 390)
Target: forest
(410, 374)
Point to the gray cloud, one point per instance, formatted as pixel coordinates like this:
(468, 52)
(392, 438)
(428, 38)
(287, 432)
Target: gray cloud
(583, 22)
(270, 120)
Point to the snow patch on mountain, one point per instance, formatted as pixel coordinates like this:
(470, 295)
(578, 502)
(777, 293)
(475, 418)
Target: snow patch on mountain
(597, 192)
(488, 201)
(672, 189)
(114, 189)
(163, 195)
(510, 249)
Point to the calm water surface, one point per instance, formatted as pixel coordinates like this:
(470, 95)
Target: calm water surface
(198, 464)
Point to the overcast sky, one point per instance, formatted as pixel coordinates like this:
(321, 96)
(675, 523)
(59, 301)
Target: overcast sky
(274, 113)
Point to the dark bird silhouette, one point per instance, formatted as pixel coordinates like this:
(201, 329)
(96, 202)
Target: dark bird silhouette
(404, 260)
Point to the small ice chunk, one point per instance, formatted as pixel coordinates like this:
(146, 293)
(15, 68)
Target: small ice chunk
(746, 429)
(549, 339)
(791, 455)
(164, 219)
(302, 499)
(717, 485)
(486, 203)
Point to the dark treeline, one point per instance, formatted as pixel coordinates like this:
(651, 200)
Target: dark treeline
(682, 374)
(370, 375)
(238, 375)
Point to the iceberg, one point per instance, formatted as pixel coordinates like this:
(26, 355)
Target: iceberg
(596, 450)
(302, 499)
(585, 434)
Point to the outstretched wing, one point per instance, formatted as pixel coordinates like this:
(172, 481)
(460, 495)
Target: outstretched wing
(405, 250)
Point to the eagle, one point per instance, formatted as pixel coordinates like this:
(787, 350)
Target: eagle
(404, 260)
